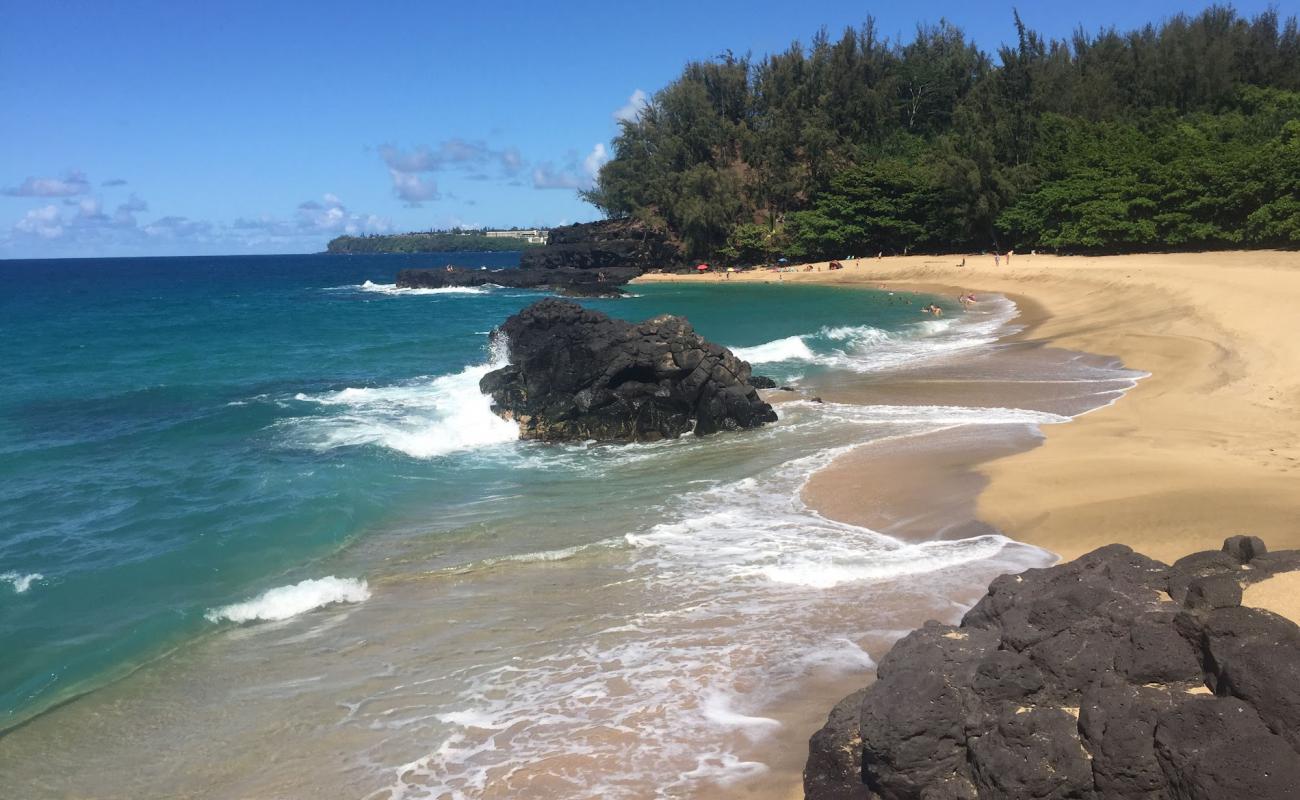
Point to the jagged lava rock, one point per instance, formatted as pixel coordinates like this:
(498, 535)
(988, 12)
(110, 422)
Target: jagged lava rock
(1111, 676)
(603, 245)
(578, 374)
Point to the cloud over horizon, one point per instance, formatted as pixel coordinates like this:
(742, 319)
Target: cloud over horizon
(84, 224)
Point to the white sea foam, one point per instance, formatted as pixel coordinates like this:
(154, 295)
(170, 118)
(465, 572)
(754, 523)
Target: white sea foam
(394, 289)
(284, 602)
(864, 348)
(791, 348)
(736, 599)
(423, 419)
(21, 583)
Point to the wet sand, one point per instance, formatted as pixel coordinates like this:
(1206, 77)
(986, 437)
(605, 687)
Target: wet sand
(1207, 446)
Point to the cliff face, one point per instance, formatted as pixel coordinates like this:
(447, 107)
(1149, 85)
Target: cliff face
(608, 244)
(1112, 676)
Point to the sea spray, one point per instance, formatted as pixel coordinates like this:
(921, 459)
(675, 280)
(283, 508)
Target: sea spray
(422, 419)
(21, 583)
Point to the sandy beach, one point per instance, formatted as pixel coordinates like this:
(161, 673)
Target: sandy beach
(1207, 446)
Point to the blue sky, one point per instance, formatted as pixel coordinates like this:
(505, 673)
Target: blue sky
(141, 128)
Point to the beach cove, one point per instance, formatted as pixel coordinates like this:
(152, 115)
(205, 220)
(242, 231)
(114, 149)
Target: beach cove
(744, 584)
(1206, 446)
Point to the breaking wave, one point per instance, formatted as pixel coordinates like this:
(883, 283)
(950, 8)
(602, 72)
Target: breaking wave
(21, 583)
(865, 348)
(285, 602)
(424, 418)
(394, 289)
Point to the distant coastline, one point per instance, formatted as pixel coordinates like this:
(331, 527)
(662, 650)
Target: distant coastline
(434, 242)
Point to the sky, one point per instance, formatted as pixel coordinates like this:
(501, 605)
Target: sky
(186, 128)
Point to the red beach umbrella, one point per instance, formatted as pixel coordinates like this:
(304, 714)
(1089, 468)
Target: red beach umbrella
(702, 267)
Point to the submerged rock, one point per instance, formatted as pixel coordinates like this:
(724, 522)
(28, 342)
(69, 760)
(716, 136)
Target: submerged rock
(578, 374)
(1111, 676)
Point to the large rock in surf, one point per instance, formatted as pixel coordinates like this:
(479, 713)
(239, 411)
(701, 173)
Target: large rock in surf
(578, 374)
(1112, 676)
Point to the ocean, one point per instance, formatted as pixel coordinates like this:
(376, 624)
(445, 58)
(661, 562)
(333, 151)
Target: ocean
(257, 505)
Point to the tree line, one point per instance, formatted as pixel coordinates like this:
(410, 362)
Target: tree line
(427, 242)
(1180, 135)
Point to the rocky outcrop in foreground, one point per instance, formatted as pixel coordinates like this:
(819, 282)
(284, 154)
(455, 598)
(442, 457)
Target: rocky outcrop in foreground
(1112, 676)
(578, 374)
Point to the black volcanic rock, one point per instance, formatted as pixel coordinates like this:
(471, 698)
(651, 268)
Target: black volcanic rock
(578, 374)
(1111, 676)
(579, 283)
(604, 245)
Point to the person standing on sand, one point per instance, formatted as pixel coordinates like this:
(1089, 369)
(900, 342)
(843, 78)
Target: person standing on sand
(1010, 253)
(997, 259)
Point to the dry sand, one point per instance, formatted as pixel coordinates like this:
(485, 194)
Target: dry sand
(1206, 447)
(1279, 594)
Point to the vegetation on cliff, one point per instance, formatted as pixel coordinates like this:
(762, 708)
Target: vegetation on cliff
(1181, 135)
(427, 242)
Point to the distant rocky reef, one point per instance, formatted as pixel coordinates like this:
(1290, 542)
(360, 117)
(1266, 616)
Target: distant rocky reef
(586, 260)
(570, 282)
(1110, 677)
(576, 374)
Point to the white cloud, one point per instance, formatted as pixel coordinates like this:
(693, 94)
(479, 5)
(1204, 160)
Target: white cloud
(412, 188)
(73, 184)
(633, 107)
(595, 160)
(82, 226)
(313, 219)
(406, 168)
(546, 176)
(178, 228)
(45, 222)
(125, 215)
(577, 175)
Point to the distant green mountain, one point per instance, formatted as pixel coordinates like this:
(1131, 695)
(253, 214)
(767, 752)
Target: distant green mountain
(426, 242)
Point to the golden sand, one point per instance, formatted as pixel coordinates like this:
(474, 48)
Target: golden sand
(1279, 594)
(1206, 447)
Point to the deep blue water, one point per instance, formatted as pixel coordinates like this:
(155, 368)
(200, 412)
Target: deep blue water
(180, 434)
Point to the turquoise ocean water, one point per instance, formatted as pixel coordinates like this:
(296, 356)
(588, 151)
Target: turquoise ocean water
(179, 435)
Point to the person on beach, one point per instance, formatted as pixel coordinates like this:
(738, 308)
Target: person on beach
(997, 259)
(1010, 253)
(963, 262)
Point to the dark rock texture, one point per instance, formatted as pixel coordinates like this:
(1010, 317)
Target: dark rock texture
(575, 282)
(1112, 676)
(608, 244)
(578, 374)
(591, 259)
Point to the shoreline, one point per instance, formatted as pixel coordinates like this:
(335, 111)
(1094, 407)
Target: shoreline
(1205, 446)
